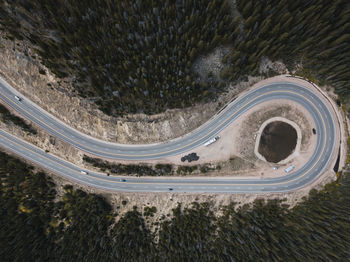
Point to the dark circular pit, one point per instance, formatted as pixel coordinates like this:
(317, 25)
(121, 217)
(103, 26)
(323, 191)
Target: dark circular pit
(277, 141)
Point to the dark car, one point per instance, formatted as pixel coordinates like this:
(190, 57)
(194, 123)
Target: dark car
(314, 131)
(122, 180)
(190, 157)
(170, 189)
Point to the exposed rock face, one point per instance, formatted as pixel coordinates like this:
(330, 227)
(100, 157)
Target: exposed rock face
(21, 68)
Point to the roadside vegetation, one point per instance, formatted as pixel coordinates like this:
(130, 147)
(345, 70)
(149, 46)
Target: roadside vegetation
(38, 224)
(7, 117)
(135, 56)
(130, 169)
(146, 169)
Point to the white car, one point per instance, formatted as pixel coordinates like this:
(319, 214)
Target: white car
(18, 98)
(83, 172)
(213, 140)
(288, 169)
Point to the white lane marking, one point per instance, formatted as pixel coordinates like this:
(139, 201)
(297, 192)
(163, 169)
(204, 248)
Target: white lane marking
(328, 150)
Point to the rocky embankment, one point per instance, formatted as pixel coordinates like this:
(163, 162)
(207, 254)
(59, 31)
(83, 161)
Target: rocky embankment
(20, 67)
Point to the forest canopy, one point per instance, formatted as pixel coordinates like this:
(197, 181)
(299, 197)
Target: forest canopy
(41, 225)
(132, 56)
(138, 56)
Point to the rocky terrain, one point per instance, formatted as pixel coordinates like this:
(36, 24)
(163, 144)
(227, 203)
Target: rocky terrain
(21, 68)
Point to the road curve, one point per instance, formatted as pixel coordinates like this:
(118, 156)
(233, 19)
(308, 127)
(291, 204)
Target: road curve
(313, 102)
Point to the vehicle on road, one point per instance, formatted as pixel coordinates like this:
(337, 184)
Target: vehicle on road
(18, 98)
(211, 141)
(288, 169)
(122, 180)
(314, 131)
(83, 172)
(323, 120)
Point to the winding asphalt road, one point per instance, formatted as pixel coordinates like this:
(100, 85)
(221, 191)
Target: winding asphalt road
(314, 103)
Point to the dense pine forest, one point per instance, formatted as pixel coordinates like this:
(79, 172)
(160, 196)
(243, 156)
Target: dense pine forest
(38, 225)
(138, 56)
(134, 56)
